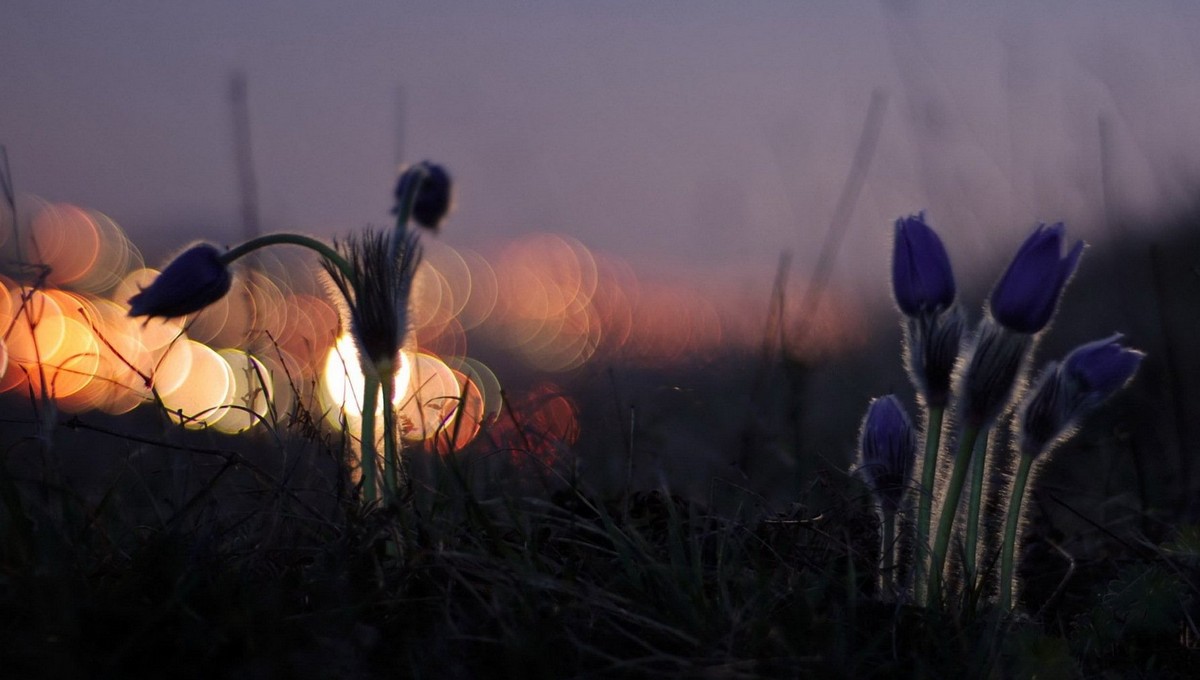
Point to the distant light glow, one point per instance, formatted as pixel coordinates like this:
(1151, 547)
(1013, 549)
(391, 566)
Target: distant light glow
(275, 339)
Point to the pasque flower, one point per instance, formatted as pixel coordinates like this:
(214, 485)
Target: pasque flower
(922, 280)
(889, 446)
(923, 284)
(1062, 395)
(432, 200)
(1021, 305)
(1065, 392)
(195, 279)
(1027, 294)
(377, 294)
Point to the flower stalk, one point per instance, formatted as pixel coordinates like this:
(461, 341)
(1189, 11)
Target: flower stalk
(962, 462)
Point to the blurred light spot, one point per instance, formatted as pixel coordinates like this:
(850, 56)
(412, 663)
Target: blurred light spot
(202, 394)
(432, 395)
(253, 390)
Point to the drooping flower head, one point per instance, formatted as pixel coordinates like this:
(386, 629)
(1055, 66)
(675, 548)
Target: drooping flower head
(922, 280)
(888, 446)
(1066, 392)
(433, 193)
(1025, 298)
(195, 279)
(377, 295)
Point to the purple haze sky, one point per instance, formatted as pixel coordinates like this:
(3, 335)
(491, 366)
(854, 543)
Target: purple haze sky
(696, 139)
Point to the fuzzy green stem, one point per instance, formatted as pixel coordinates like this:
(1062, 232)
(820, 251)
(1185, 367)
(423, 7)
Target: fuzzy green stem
(369, 455)
(323, 249)
(978, 460)
(391, 454)
(933, 443)
(887, 567)
(1016, 503)
(962, 461)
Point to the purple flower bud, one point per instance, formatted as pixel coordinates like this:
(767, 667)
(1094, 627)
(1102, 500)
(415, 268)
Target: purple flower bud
(888, 446)
(192, 281)
(921, 276)
(1066, 392)
(432, 201)
(1027, 294)
(1100, 368)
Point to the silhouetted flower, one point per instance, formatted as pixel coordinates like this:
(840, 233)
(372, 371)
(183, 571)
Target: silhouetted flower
(377, 295)
(889, 446)
(192, 281)
(922, 280)
(432, 201)
(1027, 294)
(1066, 392)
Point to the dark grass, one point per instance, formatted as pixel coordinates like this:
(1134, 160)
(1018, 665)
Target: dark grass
(187, 554)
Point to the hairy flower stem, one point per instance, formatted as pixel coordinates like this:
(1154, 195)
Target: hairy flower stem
(322, 249)
(933, 443)
(978, 459)
(369, 458)
(887, 566)
(1016, 503)
(962, 461)
(392, 472)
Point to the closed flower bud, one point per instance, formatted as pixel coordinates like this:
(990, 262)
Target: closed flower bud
(922, 280)
(1025, 298)
(888, 446)
(432, 201)
(1100, 368)
(1066, 392)
(192, 281)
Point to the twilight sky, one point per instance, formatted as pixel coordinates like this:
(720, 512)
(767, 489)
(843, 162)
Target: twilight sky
(698, 140)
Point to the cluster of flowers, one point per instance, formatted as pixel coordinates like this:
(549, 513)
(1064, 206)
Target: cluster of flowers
(980, 375)
(373, 274)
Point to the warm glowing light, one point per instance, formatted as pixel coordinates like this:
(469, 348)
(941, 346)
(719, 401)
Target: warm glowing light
(432, 395)
(343, 382)
(485, 380)
(71, 366)
(67, 240)
(465, 420)
(170, 367)
(252, 392)
(37, 328)
(204, 391)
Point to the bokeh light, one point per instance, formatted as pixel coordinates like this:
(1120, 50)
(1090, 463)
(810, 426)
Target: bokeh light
(277, 340)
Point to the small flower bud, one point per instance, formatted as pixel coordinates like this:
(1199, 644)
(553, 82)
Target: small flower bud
(192, 281)
(432, 201)
(888, 446)
(1025, 298)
